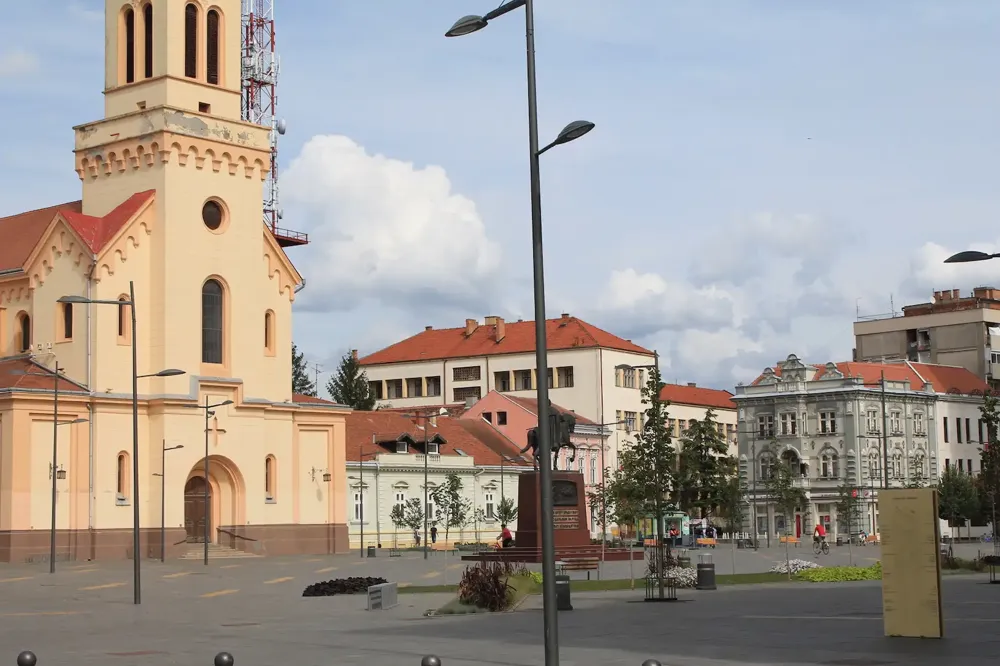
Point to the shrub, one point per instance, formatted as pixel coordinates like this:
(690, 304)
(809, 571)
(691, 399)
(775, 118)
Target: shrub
(535, 576)
(794, 565)
(685, 576)
(842, 574)
(954, 563)
(669, 562)
(484, 585)
(353, 585)
(472, 545)
(992, 560)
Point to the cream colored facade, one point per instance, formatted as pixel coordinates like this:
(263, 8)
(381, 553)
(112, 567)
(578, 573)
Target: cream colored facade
(394, 478)
(179, 141)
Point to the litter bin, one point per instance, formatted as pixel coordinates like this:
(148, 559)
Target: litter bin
(840, 540)
(371, 551)
(706, 573)
(562, 593)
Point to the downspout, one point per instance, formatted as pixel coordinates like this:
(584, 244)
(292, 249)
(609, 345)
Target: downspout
(378, 511)
(91, 499)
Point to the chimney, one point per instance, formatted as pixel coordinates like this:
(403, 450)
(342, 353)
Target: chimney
(470, 326)
(501, 328)
(565, 315)
(938, 297)
(693, 384)
(428, 328)
(956, 293)
(354, 354)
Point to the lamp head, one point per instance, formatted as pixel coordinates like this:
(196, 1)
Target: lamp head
(170, 372)
(74, 299)
(222, 404)
(573, 131)
(466, 26)
(77, 421)
(967, 256)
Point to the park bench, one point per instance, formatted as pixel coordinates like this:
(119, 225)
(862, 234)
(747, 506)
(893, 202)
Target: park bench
(706, 542)
(792, 540)
(587, 564)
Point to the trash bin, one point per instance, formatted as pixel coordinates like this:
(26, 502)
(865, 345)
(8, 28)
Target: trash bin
(371, 551)
(562, 593)
(840, 540)
(706, 573)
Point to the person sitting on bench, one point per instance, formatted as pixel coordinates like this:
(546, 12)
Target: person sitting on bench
(506, 539)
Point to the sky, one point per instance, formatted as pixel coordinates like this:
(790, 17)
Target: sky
(760, 173)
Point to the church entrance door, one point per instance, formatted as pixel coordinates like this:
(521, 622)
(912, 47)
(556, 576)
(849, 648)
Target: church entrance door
(196, 509)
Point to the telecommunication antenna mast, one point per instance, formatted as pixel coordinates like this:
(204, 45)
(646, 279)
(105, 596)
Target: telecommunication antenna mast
(260, 96)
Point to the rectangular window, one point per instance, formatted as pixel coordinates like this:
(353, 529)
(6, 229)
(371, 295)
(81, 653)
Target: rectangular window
(490, 506)
(980, 431)
(765, 425)
(468, 373)
(968, 430)
(488, 417)
(918, 423)
(501, 418)
(593, 468)
(522, 380)
(947, 463)
(871, 421)
(393, 388)
(565, 375)
(788, 424)
(944, 422)
(375, 388)
(359, 509)
(630, 421)
(961, 465)
(827, 423)
(414, 387)
(619, 420)
(467, 393)
(970, 465)
(895, 422)
(551, 377)
(628, 378)
(501, 381)
(400, 500)
(958, 430)
(433, 387)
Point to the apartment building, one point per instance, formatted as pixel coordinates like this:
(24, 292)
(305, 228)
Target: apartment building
(690, 403)
(950, 330)
(386, 457)
(828, 422)
(587, 367)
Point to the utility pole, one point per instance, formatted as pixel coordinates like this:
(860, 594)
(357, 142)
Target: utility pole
(885, 438)
(317, 368)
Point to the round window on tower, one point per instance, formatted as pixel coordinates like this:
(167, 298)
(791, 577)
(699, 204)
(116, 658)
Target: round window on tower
(213, 214)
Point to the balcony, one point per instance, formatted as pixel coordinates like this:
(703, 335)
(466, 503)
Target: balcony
(289, 238)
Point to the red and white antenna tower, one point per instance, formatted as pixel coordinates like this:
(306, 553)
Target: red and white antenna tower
(260, 96)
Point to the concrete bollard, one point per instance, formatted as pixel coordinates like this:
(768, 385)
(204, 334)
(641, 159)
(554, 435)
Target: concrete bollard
(224, 659)
(430, 660)
(27, 658)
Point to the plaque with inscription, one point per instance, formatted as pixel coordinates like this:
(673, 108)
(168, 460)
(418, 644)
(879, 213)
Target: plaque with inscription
(564, 518)
(564, 493)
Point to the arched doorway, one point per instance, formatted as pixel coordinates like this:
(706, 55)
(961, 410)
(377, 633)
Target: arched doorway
(196, 509)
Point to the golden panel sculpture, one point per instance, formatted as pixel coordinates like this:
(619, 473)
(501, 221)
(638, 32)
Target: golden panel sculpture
(911, 563)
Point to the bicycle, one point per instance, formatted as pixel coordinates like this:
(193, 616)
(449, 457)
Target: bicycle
(986, 538)
(821, 547)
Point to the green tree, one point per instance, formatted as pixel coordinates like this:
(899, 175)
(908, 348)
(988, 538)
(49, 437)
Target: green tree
(989, 458)
(350, 385)
(478, 518)
(732, 504)
(601, 503)
(452, 506)
(958, 499)
(398, 518)
(625, 500)
(849, 506)
(301, 384)
(704, 469)
(784, 492)
(506, 511)
(413, 514)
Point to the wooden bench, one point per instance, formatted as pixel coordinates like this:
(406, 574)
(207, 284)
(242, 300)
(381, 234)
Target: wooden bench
(792, 540)
(705, 541)
(587, 564)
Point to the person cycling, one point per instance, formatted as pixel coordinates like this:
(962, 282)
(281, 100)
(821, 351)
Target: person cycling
(506, 539)
(819, 534)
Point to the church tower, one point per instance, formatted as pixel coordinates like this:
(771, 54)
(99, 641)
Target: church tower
(213, 287)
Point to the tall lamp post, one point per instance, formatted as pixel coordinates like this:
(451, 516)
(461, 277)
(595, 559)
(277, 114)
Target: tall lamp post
(136, 558)
(208, 414)
(55, 472)
(464, 26)
(658, 497)
(426, 415)
(163, 497)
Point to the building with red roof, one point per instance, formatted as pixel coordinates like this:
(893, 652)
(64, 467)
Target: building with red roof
(865, 425)
(166, 262)
(387, 451)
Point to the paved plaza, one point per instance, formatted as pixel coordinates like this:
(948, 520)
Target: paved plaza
(253, 607)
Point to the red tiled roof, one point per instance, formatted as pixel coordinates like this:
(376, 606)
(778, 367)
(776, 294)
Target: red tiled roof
(685, 394)
(21, 233)
(494, 439)
(38, 379)
(943, 378)
(387, 425)
(531, 404)
(519, 338)
(303, 399)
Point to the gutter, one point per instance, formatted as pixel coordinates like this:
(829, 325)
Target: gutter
(10, 271)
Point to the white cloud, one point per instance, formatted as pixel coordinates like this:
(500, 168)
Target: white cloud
(17, 63)
(381, 228)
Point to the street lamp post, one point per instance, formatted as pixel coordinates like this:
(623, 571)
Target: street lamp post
(170, 372)
(465, 26)
(163, 497)
(208, 414)
(426, 415)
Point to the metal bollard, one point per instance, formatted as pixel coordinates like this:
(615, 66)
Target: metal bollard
(430, 660)
(224, 659)
(27, 658)
(650, 662)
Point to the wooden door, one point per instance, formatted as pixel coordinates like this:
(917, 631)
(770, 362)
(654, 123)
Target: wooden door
(196, 509)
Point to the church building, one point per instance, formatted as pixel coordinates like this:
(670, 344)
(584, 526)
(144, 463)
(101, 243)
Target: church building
(169, 224)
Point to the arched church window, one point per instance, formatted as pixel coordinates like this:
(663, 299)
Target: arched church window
(269, 332)
(147, 28)
(121, 476)
(124, 328)
(211, 322)
(67, 321)
(269, 477)
(212, 48)
(191, 41)
(24, 329)
(129, 45)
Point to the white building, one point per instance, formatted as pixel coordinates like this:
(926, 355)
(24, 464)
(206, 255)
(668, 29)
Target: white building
(461, 365)
(386, 467)
(690, 403)
(829, 420)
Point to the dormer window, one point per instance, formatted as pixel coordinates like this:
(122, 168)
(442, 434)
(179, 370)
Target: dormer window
(401, 447)
(432, 448)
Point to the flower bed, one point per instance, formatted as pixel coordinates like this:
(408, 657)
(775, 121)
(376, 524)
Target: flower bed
(794, 565)
(842, 574)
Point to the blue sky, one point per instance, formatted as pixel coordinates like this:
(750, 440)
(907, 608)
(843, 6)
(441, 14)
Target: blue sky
(759, 170)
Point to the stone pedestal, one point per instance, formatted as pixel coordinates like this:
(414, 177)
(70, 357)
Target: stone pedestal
(569, 502)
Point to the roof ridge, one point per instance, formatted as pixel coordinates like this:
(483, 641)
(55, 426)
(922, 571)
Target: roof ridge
(41, 208)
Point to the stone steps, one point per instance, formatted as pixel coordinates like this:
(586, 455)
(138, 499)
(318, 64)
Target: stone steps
(215, 552)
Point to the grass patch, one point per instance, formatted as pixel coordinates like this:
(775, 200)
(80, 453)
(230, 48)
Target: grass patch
(456, 607)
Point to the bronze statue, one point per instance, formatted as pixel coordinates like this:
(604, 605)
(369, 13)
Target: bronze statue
(562, 429)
